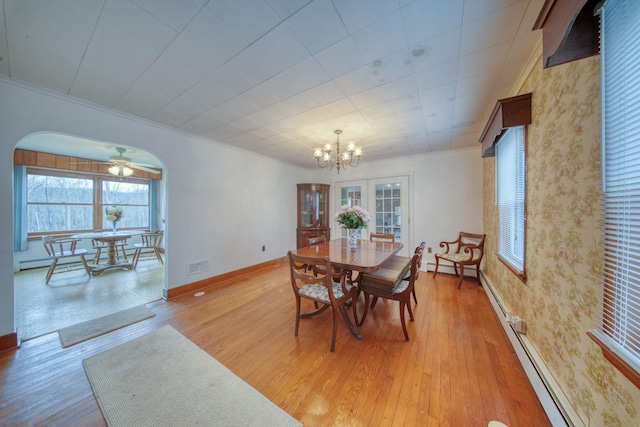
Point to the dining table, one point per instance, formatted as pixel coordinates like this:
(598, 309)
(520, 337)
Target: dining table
(365, 257)
(110, 238)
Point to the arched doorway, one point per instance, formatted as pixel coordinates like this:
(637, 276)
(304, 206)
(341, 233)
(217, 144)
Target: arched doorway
(74, 296)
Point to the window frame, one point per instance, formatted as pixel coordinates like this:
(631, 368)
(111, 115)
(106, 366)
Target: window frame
(618, 332)
(97, 198)
(504, 250)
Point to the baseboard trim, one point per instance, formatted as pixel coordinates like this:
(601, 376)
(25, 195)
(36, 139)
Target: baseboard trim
(555, 404)
(222, 280)
(9, 341)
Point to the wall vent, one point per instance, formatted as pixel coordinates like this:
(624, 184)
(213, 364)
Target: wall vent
(196, 267)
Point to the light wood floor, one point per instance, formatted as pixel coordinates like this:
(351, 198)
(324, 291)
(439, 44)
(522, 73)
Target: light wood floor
(458, 369)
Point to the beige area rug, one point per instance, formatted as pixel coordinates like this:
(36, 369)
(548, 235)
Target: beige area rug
(164, 379)
(92, 328)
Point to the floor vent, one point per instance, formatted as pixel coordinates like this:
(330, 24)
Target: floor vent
(197, 267)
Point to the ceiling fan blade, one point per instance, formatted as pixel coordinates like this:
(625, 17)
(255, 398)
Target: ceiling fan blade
(135, 166)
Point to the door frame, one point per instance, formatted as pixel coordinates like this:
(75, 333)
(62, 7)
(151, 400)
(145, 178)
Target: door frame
(368, 199)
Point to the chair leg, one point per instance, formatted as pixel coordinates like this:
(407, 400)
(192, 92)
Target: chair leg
(335, 329)
(461, 276)
(96, 258)
(136, 257)
(157, 251)
(413, 292)
(408, 305)
(86, 266)
(51, 269)
(374, 301)
(436, 269)
(295, 331)
(404, 325)
(364, 313)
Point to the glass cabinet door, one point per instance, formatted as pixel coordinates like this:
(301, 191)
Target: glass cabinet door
(313, 205)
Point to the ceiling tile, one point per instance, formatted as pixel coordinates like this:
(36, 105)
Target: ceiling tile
(147, 95)
(281, 47)
(286, 8)
(340, 58)
(480, 33)
(427, 19)
(40, 53)
(317, 26)
(356, 81)
(104, 78)
(358, 14)
(211, 34)
(77, 19)
(174, 14)
(381, 38)
(250, 19)
(437, 76)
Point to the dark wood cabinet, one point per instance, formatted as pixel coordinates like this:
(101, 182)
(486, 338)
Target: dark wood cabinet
(313, 212)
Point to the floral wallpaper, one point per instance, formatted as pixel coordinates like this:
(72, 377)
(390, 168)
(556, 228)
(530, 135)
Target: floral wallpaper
(561, 298)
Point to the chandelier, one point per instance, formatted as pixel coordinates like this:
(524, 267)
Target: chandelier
(341, 159)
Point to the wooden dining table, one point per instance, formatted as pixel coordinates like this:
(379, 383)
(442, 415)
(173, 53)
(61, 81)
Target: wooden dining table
(366, 257)
(110, 238)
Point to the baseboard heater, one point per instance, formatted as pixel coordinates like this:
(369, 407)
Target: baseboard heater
(555, 403)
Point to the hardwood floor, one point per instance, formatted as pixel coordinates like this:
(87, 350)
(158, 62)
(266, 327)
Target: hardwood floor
(458, 369)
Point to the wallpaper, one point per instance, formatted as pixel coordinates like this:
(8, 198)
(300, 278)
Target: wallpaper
(561, 298)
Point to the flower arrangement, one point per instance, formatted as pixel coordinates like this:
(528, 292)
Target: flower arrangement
(114, 214)
(353, 217)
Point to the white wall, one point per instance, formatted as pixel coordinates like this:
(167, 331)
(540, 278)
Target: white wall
(223, 204)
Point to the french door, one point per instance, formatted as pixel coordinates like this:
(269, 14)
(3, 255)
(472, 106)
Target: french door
(386, 199)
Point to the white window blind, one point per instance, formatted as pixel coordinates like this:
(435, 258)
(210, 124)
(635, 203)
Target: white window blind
(620, 62)
(510, 181)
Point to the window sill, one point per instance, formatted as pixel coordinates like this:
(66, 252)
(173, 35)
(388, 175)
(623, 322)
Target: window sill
(622, 366)
(521, 274)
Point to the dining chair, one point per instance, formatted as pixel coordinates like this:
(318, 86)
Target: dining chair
(400, 289)
(320, 288)
(152, 241)
(61, 248)
(390, 238)
(382, 237)
(467, 249)
(98, 246)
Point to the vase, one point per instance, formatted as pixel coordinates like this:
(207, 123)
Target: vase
(114, 226)
(353, 235)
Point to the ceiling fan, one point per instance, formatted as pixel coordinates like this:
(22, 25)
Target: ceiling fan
(123, 166)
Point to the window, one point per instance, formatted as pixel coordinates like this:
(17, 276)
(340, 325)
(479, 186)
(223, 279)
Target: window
(72, 202)
(510, 181)
(619, 332)
(388, 210)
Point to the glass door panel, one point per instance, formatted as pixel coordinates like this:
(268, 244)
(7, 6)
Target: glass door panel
(386, 199)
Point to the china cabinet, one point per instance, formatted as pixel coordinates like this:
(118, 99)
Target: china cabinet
(313, 212)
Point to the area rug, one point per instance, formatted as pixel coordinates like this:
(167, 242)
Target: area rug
(92, 328)
(163, 379)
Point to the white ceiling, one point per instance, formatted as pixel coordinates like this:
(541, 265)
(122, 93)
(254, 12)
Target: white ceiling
(278, 76)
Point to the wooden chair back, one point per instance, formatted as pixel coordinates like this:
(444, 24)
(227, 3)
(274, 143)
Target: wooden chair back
(63, 247)
(310, 280)
(382, 237)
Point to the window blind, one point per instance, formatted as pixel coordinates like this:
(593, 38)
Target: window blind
(510, 167)
(620, 62)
